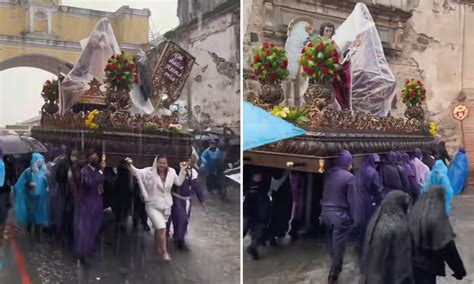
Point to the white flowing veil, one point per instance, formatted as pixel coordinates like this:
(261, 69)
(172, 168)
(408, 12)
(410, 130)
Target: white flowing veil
(373, 83)
(98, 48)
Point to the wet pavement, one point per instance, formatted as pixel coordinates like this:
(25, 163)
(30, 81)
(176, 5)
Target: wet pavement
(214, 256)
(304, 261)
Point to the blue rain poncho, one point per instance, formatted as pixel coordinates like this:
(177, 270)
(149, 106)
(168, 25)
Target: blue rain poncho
(458, 171)
(439, 176)
(31, 205)
(2, 168)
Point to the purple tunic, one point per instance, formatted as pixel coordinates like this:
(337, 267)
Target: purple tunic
(370, 189)
(88, 213)
(409, 168)
(390, 174)
(340, 207)
(179, 213)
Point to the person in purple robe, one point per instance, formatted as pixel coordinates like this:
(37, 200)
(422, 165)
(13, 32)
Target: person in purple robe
(421, 169)
(339, 211)
(409, 169)
(370, 189)
(390, 174)
(181, 208)
(89, 212)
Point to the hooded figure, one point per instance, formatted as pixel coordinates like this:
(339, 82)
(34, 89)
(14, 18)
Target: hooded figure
(390, 174)
(282, 204)
(212, 166)
(421, 170)
(57, 181)
(433, 239)
(122, 195)
(2, 168)
(387, 249)
(31, 194)
(369, 188)
(339, 211)
(88, 213)
(443, 154)
(458, 171)
(7, 178)
(257, 209)
(413, 185)
(439, 176)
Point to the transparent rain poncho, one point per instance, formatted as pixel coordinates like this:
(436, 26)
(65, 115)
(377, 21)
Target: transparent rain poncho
(97, 49)
(373, 83)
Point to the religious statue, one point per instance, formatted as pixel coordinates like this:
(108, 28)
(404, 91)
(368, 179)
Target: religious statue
(366, 82)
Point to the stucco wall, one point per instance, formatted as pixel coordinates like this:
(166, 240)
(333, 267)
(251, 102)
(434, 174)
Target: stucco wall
(212, 93)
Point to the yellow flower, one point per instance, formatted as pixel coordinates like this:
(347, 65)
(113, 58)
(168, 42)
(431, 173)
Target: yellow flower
(281, 112)
(433, 128)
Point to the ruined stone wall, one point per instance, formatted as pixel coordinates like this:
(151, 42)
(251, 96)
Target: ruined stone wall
(434, 43)
(438, 48)
(212, 94)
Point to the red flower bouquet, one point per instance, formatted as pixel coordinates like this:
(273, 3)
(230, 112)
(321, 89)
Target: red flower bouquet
(120, 72)
(413, 92)
(320, 60)
(51, 90)
(270, 63)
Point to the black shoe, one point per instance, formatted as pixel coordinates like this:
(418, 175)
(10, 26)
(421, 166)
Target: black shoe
(332, 278)
(146, 227)
(253, 252)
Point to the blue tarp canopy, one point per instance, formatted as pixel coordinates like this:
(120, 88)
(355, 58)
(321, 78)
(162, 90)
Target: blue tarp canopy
(261, 127)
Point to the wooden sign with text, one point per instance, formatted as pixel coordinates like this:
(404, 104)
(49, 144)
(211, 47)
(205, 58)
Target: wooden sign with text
(171, 73)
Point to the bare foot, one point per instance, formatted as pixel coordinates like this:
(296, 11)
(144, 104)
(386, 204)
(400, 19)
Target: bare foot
(166, 257)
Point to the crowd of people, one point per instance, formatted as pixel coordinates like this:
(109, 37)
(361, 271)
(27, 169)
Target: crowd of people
(377, 208)
(63, 195)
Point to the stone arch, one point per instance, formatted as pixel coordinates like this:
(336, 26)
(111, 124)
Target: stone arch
(40, 61)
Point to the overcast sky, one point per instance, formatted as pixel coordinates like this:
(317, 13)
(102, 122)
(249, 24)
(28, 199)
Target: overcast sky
(20, 88)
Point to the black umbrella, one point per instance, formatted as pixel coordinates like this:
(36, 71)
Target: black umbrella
(15, 144)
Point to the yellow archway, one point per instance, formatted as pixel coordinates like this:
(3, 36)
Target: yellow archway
(46, 34)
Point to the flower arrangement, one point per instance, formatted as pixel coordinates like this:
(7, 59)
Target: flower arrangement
(91, 121)
(413, 92)
(320, 60)
(120, 72)
(293, 115)
(270, 63)
(161, 128)
(51, 90)
(433, 128)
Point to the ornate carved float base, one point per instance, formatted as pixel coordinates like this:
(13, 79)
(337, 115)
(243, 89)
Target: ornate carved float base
(139, 146)
(308, 150)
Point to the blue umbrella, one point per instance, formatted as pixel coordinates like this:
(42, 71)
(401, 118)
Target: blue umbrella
(261, 127)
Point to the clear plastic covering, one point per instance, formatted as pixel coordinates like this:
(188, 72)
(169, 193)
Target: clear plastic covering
(98, 48)
(297, 35)
(373, 83)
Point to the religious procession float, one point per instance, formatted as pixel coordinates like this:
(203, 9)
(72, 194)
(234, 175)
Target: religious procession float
(117, 103)
(347, 98)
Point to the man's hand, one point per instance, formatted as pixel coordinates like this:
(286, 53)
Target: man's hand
(129, 161)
